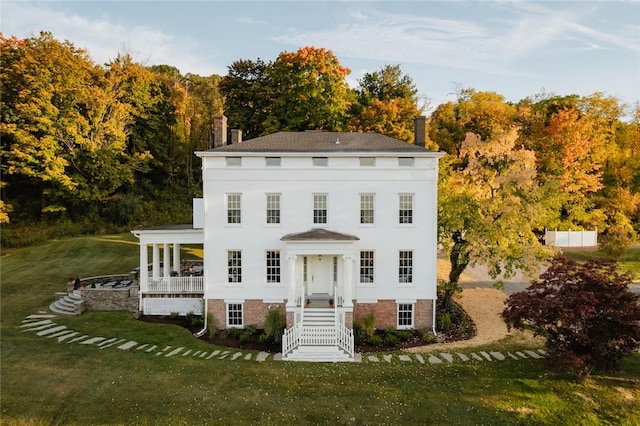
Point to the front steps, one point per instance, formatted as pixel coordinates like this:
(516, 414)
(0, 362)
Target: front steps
(319, 317)
(318, 354)
(68, 303)
(317, 338)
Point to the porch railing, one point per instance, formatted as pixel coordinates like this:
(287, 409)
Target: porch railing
(176, 285)
(291, 339)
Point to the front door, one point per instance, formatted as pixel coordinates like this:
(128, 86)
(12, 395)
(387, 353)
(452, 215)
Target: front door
(320, 274)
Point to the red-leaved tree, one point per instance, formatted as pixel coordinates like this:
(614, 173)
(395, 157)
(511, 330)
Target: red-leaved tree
(585, 312)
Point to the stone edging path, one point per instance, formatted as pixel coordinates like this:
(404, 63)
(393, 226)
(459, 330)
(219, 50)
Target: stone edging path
(44, 326)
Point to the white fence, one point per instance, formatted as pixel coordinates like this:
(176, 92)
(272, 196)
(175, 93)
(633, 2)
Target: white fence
(571, 238)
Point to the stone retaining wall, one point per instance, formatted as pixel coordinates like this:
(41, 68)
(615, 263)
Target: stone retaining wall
(116, 299)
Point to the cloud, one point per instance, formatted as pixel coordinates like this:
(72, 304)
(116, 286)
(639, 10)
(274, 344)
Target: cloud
(104, 39)
(492, 43)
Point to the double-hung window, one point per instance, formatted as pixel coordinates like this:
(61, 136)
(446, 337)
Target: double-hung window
(405, 267)
(234, 212)
(366, 208)
(405, 315)
(235, 315)
(273, 208)
(234, 266)
(273, 266)
(405, 208)
(366, 267)
(319, 208)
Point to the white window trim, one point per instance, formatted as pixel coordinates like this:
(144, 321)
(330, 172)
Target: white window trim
(364, 284)
(413, 316)
(413, 210)
(266, 266)
(227, 304)
(412, 282)
(266, 213)
(313, 199)
(226, 210)
(231, 283)
(367, 225)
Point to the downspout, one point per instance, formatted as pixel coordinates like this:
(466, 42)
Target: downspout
(206, 311)
(433, 321)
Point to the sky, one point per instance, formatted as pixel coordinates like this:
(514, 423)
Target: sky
(518, 49)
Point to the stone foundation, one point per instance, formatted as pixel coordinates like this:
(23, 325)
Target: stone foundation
(120, 299)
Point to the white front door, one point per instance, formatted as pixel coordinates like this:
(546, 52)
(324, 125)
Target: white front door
(320, 274)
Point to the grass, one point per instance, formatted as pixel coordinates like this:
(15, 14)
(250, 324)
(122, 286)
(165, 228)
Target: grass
(629, 262)
(47, 383)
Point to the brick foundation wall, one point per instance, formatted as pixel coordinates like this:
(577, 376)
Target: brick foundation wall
(254, 311)
(386, 313)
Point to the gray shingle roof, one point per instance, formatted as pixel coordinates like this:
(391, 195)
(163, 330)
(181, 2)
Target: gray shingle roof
(316, 141)
(318, 234)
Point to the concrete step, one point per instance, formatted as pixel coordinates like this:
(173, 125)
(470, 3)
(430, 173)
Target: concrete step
(319, 317)
(318, 354)
(71, 304)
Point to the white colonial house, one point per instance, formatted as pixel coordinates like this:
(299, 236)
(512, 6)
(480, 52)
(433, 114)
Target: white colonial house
(326, 227)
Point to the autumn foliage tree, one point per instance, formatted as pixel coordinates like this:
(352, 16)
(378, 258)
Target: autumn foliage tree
(585, 312)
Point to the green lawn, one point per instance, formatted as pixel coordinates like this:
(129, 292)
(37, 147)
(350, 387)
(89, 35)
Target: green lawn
(44, 382)
(629, 262)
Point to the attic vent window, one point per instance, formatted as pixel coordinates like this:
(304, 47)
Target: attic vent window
(405, 161)
(321, 161)
(368, 161)
(273, 161)
(234, 161)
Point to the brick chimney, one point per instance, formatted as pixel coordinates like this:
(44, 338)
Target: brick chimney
(219, 131)
(236, 136)
(420, 130)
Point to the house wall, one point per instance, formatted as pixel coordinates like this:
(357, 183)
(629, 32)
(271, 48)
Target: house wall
(297, 180)
(386, 313)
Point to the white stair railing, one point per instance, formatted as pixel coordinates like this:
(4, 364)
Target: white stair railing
(291, 339)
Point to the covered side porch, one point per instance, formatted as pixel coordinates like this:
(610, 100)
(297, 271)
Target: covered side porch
(168, 283)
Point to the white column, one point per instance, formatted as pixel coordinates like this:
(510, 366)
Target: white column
(144, 265)
(155, 268)
(166, 265)
(348, 282)
(176, 258)
(291, 300)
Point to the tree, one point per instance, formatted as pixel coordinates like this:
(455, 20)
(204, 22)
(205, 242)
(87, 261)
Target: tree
(585, 312)
(490, 208)
(308, 90)
(247, 97)
(387, 104)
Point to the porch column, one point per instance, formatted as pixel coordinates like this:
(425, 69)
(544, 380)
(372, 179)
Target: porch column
(291, 299)
(166, 265)
(348, 282)
(144, 265)
(155, 268)
(176, 258)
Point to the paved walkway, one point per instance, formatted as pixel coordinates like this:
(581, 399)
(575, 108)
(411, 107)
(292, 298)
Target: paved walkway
(44, 325)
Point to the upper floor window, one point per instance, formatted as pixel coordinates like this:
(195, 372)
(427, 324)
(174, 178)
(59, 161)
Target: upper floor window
(319, 208)
(405, 161)
(234, 266)
(273, 161)
(405, 266)
(405, 212)
(273, 266)
(273, 208)
(366, 208)
(368, 161)
(234, 161)
(320, 161)
(234, 212)
(366, 266)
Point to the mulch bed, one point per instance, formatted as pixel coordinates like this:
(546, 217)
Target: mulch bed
(228, 340)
